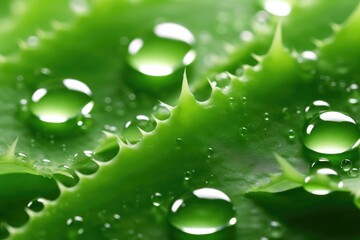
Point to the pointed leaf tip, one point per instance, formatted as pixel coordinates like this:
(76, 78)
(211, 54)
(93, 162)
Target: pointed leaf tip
(277, 43)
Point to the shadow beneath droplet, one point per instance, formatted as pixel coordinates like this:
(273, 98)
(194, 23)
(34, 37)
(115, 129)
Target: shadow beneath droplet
(316, 217)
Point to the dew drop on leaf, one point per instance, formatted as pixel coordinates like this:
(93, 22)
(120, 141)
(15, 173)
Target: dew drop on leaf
(161, 112)
(157, 199)
(75, 226)
(61, 108)
(346, 165)
(35, 205)
(168, 49)
(315, 108)
(21, 156)
(331, 133)
(278, 7)
(204, 211)
(354, 172)
(276, 230)
(322, 179)
(84, 164)
(131, 130)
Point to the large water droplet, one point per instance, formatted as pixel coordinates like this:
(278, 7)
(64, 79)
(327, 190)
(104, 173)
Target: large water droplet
(204, 211)
(315, 108)
(168, 49)
(322, 179)
(61, 108)
(331, 133)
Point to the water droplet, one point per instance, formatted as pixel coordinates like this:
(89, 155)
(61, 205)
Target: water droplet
(276, 230)
(179, 143)
(278, 7)
(157, 199)
(84, 164)
(187, 175)
(117, 216)
(266, 116)
(161, 112)
(75, 225)
(354, 172)
(331, 133)
(346, 165)
(246, 36)
(322, 180)
(315, 108)
(210, 152)
(166, 51)
(308, 61)
(131, 132)
(261, 22)
(32, 41)
(221, 80)
(204, 211)
(21, 156)
(79, 6)
(243, 131)
(61, 108)
(36, 205)
(291, 134)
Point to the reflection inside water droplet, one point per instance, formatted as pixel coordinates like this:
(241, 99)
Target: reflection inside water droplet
(202, 212)
(61, 108)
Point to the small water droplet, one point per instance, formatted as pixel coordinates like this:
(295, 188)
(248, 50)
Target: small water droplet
(187, 175)
(346, 165)
(266, 116)
(210, 152)
(202, 212)
(243, 131)
(354, 172)
(179, 143)
(331, 133)
(315, 108)
(75, 226)
(157, 199)
(131, 132)
(32, 41)
(161, 112)
(36, 205)
(246, 36)
(83, 163)
(21, 156)
(59, 107)
(117, 216)
(291, 134)
(276, 230)
(322, 180)
(221, 80)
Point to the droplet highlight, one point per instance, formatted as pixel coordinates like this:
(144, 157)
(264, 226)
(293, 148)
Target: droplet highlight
(61, 108)
(331, 133)
(202, 212)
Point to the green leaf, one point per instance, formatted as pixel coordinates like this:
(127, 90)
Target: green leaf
(221, 135)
